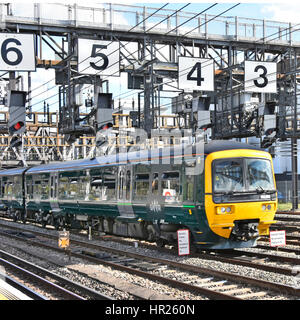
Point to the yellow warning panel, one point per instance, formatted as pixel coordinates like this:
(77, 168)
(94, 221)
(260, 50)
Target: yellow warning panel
(64, 239)
(63, 242)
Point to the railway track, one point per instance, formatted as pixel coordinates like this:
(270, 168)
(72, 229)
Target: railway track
(42, 278)
(210, 283)
(9, 284)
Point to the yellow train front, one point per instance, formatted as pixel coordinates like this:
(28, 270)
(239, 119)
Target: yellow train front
(239, 194)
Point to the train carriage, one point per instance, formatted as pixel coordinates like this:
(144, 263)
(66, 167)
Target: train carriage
(12, 197)
(228, 202)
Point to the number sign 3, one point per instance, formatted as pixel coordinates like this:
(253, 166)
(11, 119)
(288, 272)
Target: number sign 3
(99, 57)
(260, 76)
(195, 74)
(17, 52)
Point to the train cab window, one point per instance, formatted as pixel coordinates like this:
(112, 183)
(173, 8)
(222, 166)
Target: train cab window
(170, 186)
(141, 186)
(228, 175)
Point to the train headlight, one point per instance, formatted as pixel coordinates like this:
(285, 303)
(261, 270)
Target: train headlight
(223, 210)
(264, 207)
(269, 207)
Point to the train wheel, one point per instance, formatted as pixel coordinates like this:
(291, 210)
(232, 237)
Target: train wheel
(59, 223)
(161, 242)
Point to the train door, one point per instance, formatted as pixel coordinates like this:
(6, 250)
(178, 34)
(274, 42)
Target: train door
(54, 191)
(155, 200)
(124, 194)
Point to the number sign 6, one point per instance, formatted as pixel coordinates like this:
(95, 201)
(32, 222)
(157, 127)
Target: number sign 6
(260, 76)
(17, 52)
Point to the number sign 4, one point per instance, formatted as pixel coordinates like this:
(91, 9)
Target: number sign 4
(195, 74)
(260, 76)
(17, 52)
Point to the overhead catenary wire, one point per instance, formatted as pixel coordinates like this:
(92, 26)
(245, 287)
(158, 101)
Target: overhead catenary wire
(190, 31)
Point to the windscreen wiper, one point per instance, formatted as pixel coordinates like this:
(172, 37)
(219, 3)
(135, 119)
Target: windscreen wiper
(260, 189)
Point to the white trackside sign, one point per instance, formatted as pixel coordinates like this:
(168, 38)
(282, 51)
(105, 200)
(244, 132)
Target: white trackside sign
(195, 74)
(260, 76)
(277, 238)
(17, 52)
(99, 57)
(183, 238)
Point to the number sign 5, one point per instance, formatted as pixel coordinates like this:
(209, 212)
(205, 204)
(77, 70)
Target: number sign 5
(99, 57)
(195, 74)
(260, 76)
(17, 52)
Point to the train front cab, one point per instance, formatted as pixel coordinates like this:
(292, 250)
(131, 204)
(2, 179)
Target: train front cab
(240, 197)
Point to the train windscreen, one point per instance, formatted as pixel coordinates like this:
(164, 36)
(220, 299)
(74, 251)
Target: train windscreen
(242, 175)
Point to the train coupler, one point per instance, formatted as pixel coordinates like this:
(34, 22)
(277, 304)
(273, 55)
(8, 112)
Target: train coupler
(244, 230)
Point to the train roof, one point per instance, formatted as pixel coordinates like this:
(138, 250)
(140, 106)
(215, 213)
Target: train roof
(221, 145)
(12, 172)
(134, 157)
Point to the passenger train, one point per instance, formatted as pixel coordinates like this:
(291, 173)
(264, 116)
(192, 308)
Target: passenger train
(228, 202)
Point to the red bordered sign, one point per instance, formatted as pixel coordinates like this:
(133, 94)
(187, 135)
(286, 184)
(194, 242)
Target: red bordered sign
(277, 238)
(183, 237)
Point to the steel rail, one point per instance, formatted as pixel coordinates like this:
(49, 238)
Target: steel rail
(196, 269)
(174, 283)
(68, 294)
(22, 288)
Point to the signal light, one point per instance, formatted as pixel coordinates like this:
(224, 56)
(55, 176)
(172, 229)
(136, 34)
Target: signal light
(19, 125)
(16, 127)
(106, 126)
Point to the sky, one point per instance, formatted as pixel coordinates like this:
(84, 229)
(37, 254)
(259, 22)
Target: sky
(270, 10)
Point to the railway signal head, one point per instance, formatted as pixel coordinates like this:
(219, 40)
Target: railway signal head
(17, 128)
(17, 112)
(106, 126)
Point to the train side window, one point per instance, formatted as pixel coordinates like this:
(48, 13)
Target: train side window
(128, 184)
(73, 188)
(63, 188)
(96, 188)
(155, 184)
(170, 186)
(189, 188)
(83, 187)
(109, 184)
(44, 189)
(52, 187)
(37, 188)
(141, 186)
(2, 189)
